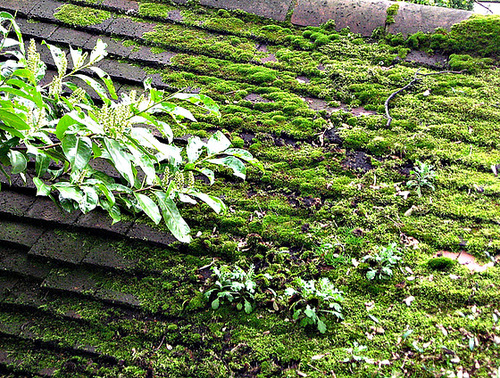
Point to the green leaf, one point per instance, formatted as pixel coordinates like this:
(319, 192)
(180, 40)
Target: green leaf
(5, 148)
(6, 16)
(64, 123)
(107, 80)
(179, 113)
(370, 274)
(12, 123)
(246, 156)
(68, 191)
(99, 52)
(96, 86)
(186, 199)
(147, 139)
(146, 164)
(78, 150)
(233, 163)
(76, 58)
(321, 326)
(194, 149)
(18, 161)
(120, 159)
(149, 207)
(59, 57)
(115, 214)
(110, 197)
(214, 202)
(309, 312)
(42, 162)
(20, 93)
(215, 304)
(173, 219)
(89, 200)
(217, 143)
(42, 188)
(67, 204)
(200, 100)
(248, 307)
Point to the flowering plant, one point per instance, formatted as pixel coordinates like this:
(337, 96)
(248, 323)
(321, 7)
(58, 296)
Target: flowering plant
(76, 144)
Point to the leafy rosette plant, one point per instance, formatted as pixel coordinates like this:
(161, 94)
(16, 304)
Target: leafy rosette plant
(311, 298)
(382, 262)
(70, 138)
(234, 285)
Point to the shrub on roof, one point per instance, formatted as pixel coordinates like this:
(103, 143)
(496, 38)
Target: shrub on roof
(59, 129)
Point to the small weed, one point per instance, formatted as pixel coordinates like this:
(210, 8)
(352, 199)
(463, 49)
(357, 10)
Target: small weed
(382, 262)
(356, 354)
(423, 175)
(312, 297)
(234, 285)
(332, 254)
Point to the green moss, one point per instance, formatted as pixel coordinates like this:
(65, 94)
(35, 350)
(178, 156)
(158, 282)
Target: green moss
(478, 35)
(80, 16)
(441, 263)
(391, 12)
(467, 63)
(308, 195)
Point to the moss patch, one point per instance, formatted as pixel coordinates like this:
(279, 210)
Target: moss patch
(81, 16)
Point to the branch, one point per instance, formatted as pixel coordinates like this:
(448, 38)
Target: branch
(411, 83)
(484, 6)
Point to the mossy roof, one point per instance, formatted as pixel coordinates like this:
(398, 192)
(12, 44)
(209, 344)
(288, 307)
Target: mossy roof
(82, 297)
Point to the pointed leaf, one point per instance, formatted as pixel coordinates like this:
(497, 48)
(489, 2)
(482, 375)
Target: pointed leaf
(200, 100)
(233, 163)
(76, 57)
(173, 219)
(18, 161)
(89, 200)
(42, 162)
(96, 86)
(244, 155)
(59, 57)
(120, 159)
(78, 150)
(64, 123)
(99, 52)
(217, 143)
(12, 122)
(186, 199)
(214, 202)
(68, 191)
(149, 207)
(107, 80)
(42, 188)
(194, 149)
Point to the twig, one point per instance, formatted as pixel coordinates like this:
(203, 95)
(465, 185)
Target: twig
(161, 343)
(315, 368)
(411, 83)
(394, 94)
(208, 266)
(484, 6)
